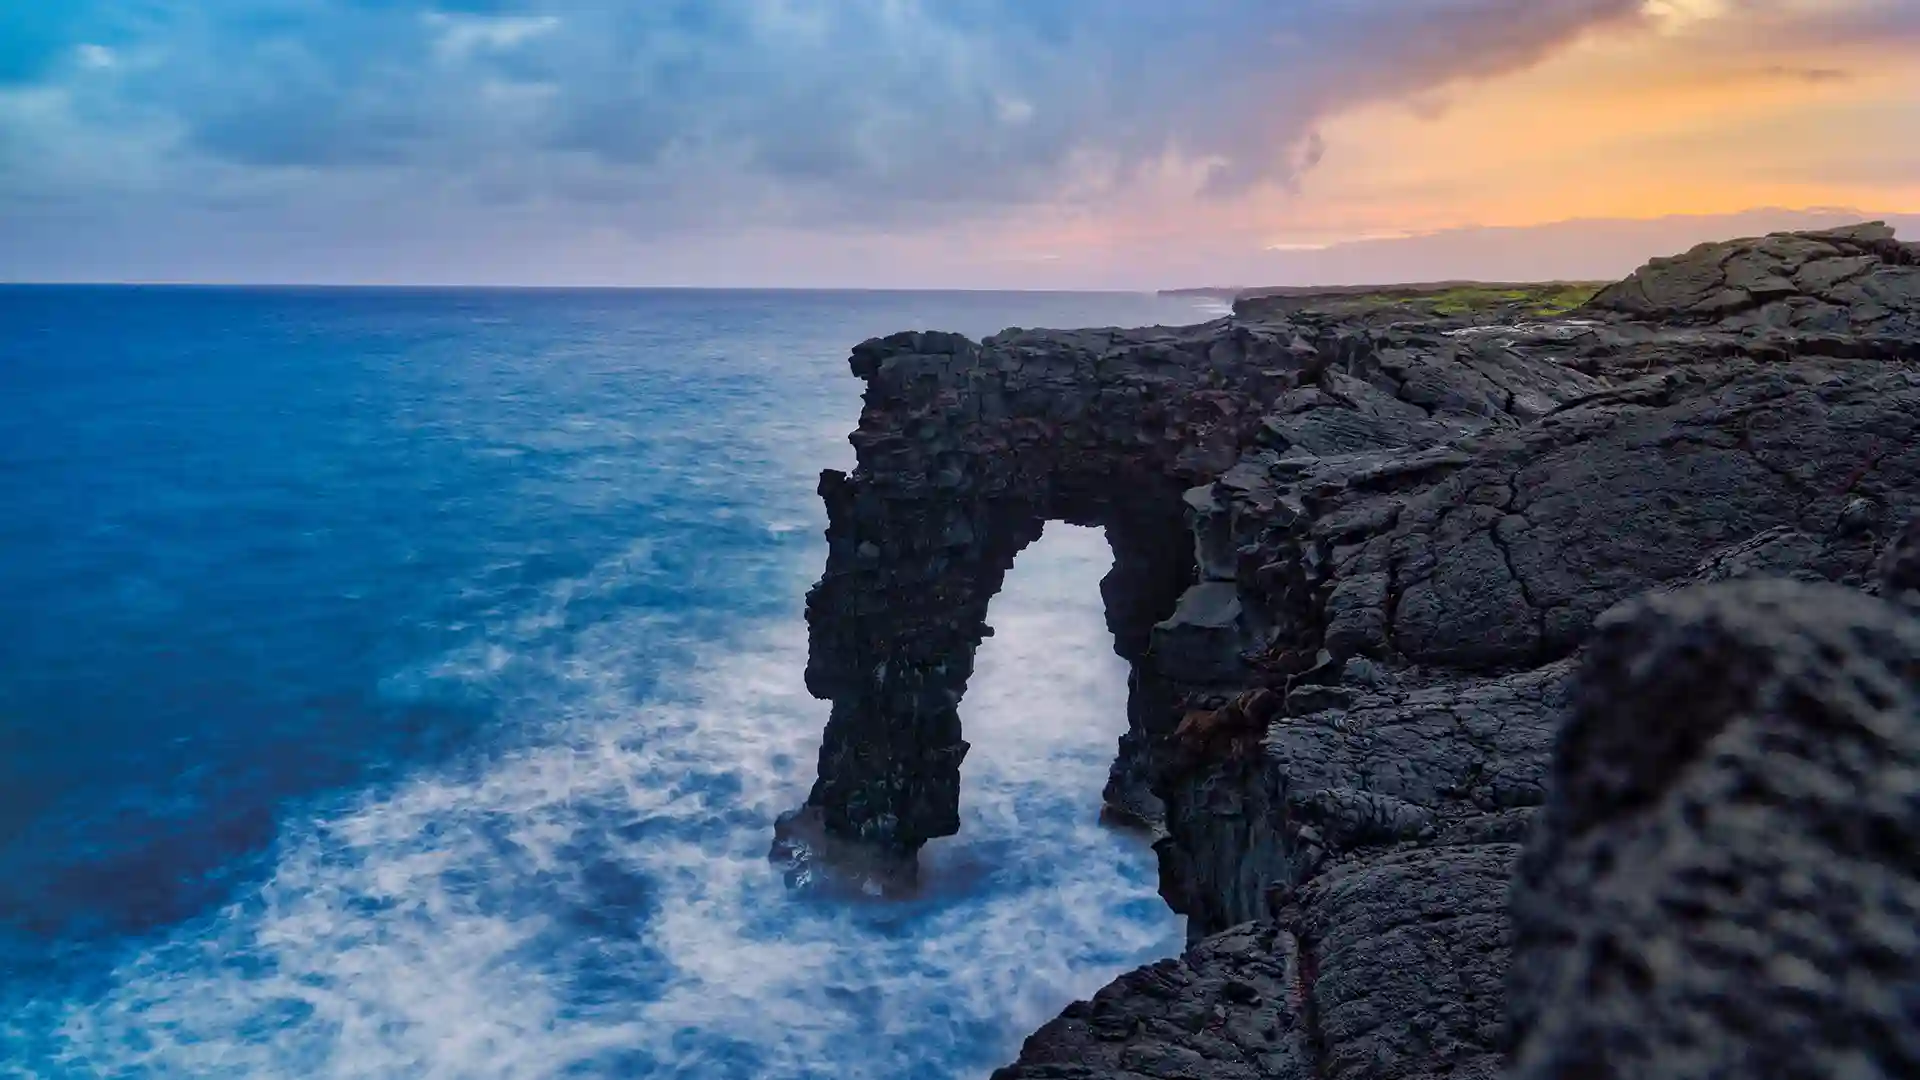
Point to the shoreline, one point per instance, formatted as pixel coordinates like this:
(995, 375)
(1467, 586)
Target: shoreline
(1359, 562)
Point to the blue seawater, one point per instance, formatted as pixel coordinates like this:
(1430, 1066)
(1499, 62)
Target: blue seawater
(403, 683)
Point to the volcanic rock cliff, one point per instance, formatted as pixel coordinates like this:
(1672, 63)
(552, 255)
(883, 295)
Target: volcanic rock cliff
(1389, 589)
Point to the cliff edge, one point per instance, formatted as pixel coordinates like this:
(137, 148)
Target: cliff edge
(1364, 570)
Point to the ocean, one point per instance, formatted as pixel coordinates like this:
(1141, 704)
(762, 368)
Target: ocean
(403, 683)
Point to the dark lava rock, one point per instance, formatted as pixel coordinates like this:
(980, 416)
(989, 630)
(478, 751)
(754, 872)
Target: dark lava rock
(1382, 967)
(1356, 567)
(1857, 280)
(1231, 1008)
(1900, 567)
(1407, 952)
(1456, 762)
(1726, 881)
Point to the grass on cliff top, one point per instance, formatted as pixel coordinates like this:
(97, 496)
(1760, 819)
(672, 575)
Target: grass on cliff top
(1555, 298)
(1446, 301)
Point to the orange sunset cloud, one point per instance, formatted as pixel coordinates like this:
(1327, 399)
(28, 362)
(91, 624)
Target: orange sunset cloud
(1702, 108)
(1122, 145)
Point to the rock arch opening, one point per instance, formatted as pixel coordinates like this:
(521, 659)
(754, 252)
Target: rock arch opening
(1043, 710)
(966, 451)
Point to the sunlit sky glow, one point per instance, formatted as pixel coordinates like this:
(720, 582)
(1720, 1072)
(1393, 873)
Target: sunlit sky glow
(976, 143)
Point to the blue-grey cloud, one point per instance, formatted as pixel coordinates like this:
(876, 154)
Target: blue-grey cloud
(32, 38)
(695, 110)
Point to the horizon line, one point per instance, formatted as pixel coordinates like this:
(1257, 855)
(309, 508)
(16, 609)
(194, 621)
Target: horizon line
(428, 286)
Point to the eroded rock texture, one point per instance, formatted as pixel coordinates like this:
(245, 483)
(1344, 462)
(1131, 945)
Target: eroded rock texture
(1355, 566)
(1727, 877)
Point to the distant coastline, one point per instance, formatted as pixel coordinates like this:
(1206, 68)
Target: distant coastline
(1226, 294)
(1256, 292)
(1425, 300)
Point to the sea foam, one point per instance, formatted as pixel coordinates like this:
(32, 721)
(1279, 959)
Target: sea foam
(594, 899)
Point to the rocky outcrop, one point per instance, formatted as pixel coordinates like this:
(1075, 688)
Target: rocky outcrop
(1859, 281)
(1446, 763)
(1230, 1008)
(966, 450)
(1356, 566)
(1384, 967)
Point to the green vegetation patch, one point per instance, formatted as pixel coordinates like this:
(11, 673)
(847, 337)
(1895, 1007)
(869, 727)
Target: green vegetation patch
(1540, 301)
(1449, 300)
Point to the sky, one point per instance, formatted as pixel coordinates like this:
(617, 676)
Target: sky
(936, 143)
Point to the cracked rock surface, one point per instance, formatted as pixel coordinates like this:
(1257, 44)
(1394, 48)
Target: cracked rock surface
(1357, 567)
(1859, 280)
(1503, 552)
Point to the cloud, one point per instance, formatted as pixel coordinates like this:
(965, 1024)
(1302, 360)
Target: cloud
(459, 36)
(33, 37)
(97, 56)
(1808, 74)
(1583, 249)
(689, 113)
(873, 141)
(1807, 24)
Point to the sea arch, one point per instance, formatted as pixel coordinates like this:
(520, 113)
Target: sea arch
(965, 451)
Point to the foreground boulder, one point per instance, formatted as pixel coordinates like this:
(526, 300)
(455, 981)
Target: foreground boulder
(1726, 881)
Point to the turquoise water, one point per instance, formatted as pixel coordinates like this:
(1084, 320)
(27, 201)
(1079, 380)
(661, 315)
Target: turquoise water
(404, 683)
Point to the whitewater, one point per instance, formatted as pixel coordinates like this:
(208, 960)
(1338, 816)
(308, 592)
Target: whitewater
(538, 845)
